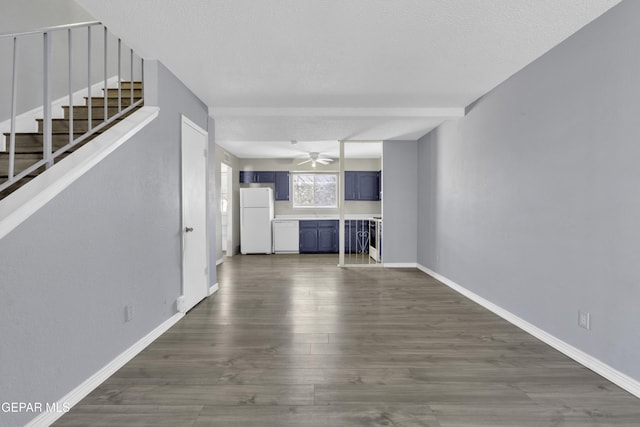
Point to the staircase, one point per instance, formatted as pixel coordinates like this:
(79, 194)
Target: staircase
(28, 146)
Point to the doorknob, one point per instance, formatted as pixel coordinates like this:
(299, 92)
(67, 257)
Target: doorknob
(188, 229)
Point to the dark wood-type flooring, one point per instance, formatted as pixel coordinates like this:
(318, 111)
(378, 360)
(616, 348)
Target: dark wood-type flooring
(292, 340)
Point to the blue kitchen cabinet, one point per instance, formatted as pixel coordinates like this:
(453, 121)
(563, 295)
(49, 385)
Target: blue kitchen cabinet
(308, 237)
(367, 185)
(362, 185)
(246, 177)
(264, 177)
(282, 185)
(318, 236)
(257, 177)
(328, 236)
(350, 185)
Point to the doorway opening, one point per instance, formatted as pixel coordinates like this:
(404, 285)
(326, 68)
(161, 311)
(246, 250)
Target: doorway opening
(226, 209)
(361, 204)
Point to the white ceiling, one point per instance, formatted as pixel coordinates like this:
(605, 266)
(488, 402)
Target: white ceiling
(277, 70)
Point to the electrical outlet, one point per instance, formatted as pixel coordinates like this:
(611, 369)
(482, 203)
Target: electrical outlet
(128, 312)
(584, 319)
(181, 304)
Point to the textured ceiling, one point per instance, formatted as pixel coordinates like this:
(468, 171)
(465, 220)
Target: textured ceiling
(316, 62)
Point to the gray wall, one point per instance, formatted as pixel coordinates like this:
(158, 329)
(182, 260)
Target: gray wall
(531, 200)
(399, 201)
(112, 238)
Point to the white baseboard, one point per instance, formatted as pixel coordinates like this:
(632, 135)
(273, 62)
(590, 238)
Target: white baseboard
(219, 261)
(400, 264)
(622, 380)
(213, 289)
(21, 204)
(81, 391)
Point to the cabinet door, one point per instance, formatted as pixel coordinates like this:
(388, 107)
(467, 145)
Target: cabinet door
(263, 177)
(350, 178)
(367, 186)
(282, 185)
(246, 177)
(308, 236)
(327, 239)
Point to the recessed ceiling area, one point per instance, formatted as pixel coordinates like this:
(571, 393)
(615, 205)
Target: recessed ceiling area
(277, 70)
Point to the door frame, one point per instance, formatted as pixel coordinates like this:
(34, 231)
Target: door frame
(182, 301)
(230, 211)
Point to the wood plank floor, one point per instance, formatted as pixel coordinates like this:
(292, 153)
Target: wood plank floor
(292, 340)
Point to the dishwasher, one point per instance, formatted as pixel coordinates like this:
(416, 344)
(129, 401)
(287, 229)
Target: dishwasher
(285, 237)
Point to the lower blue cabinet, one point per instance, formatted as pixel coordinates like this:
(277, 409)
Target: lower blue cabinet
(319, 236)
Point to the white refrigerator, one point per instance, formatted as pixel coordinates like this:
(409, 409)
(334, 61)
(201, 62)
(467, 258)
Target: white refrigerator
(256, 214)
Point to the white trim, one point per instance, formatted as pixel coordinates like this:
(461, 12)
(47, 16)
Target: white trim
(21, 204)
(219, 261)
(624, 381)
(26, 122)
(372, 265)
(87, 386)
(400, 265)
(213, 289)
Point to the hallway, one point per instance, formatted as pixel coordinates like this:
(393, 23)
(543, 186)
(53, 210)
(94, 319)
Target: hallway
(292, 340)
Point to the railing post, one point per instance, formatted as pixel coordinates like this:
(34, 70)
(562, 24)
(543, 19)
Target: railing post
(46, 102)
(119, 75)
(70, 49)
(106, 96)
(131, 75)
(89, 109)
(14, 88)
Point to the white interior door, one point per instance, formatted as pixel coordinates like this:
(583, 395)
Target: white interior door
(194, 214)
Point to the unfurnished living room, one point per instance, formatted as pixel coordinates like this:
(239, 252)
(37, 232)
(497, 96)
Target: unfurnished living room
(320, 213)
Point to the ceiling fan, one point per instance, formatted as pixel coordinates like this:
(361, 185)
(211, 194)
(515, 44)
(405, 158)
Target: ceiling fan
(314, 158)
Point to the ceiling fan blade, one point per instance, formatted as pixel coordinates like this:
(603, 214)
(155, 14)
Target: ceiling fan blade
(306, 161)
(324, 161)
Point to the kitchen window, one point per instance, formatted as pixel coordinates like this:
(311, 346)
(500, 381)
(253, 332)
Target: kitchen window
(315, 190)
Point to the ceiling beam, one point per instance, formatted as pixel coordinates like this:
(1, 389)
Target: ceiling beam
(448, 112)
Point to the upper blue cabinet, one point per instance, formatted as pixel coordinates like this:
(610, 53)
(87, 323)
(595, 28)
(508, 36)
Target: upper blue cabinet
(281, 180)
(362, 185)
(253, 177)
(282, 185)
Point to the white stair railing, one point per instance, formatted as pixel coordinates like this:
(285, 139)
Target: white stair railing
(48, 154)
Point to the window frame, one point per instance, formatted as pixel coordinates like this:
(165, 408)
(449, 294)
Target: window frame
(294, 195)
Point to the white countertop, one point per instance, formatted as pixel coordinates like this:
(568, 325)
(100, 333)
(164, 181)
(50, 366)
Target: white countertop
(321, 217)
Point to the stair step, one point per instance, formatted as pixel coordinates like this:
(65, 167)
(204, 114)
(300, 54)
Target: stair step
(29, 145)
(124, 93)
(82, 112)
(79, 125)
(111, 101)
(127, 84)
(32, 142)
(22, 162)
